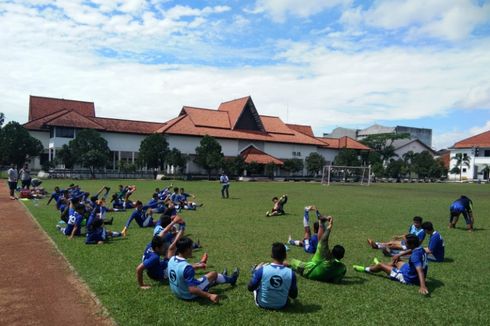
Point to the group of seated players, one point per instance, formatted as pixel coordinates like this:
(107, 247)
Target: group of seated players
(165, 258)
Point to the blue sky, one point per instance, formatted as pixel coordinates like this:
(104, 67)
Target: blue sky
(325, 63)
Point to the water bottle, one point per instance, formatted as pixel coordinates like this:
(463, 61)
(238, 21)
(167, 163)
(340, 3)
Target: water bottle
(36, 202)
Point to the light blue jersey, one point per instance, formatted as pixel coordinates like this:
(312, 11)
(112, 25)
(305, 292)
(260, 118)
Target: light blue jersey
(419, 232)
(275, 283)
(180, 276)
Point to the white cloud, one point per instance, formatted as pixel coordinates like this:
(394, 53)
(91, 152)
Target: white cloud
(278, 10)
(477, 97)
(479, 129)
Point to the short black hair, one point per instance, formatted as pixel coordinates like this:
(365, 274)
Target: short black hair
(157, 242)
(165, 220)
(428, 226)
(184, 244)
(417, 219)
(80, 207)
(412, 241)
(138, 202)
(275, 198)
(338, 252)
(155, 195)
(316, 226)
(278, 251)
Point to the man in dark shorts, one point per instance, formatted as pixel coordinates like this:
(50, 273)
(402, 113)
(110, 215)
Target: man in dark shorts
(464, 206)
(13, 177)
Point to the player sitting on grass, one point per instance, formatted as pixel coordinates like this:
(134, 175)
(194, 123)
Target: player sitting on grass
(73, 225)
(56, 194)
(182, 279)
(278, 208)
(310, 242)
(413, 272)
(96, 233)
(325, 265)
(185, 203)
(272, 284)
(120, 204)
(464, 206)
(141, 217)
(399, 242)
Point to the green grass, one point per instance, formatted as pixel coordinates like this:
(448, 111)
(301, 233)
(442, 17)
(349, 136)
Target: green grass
(235, 232)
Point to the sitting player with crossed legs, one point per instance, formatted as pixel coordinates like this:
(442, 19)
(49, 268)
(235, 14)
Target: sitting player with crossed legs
(310, 242)
(278, 208)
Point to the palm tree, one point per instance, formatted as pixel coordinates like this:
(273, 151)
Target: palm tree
(486, 171)
(461, 160)
(408, 158)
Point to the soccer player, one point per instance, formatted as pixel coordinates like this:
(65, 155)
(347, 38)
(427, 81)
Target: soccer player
(13, 178)
(225, 185)
(310, 242)
(185, 203)
(413, 272)
(464, 206)
(435, 250)
(75, 218)
(182, 279)
(96, 233)
(325, 265)
(278, 208)
(55, 195)
(140, 216)
(399, 242)
(272, 284)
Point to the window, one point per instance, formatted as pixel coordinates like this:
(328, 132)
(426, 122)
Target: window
(51, 132)
(464, 170)
(465, 155)
(297, 154)
(64, 132)
(486, 153)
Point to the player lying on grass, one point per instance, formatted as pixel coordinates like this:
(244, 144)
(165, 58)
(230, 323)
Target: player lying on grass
(124, 193)
(185, 203)
(144, 218)
(435, 250)
(278, 208)
(168, 226)
(325, 265)
(272, 284)
(310, 242)
(182, 279)
(96, 233)
(464, 206)
(413, 272)
(399, 242)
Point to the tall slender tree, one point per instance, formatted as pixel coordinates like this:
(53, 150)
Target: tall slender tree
(461, 160)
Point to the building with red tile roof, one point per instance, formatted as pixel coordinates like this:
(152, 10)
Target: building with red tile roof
(236, 124)
(475, 151)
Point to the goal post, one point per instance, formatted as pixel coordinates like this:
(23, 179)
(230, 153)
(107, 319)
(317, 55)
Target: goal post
(343, 174)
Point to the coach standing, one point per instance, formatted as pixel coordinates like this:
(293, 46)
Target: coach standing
(13, 176)
(25, 176)
(225, 184)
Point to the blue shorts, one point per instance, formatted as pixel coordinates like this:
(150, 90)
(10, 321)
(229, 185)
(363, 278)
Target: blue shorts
(396, 275)
(202, 283)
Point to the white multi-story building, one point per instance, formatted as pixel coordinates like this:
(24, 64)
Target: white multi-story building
(476, 151)
(235, 124)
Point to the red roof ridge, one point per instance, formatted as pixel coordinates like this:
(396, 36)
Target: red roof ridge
(270, 116)
(169, 124)
(50, 116)
(483, 142)
(90, 119)
(196, 108)
(58, 98)
(237, 99)
(106, 118)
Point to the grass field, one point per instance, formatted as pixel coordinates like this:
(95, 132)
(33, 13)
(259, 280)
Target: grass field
(236, 233)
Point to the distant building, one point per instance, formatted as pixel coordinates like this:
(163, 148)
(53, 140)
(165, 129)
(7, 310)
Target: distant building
(235, 124)
(477, 151)
(403, 146)
(422, 134)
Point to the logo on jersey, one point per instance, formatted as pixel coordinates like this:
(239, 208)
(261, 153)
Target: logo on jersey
(276, 281)
(172, 276)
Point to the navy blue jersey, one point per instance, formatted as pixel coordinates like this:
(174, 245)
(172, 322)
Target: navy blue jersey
(155, 266)
(436, 246)
(417, 259)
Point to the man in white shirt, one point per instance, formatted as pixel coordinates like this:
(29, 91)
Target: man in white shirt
(13, 176)
(225, 184)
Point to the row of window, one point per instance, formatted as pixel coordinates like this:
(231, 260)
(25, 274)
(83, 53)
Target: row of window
(62, 132)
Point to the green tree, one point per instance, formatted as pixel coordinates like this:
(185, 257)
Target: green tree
(395, 168)
(408, 159)
(347, 157)
(177, 159)
(65, 157)
(209, 155)
(423, 164)
(269, 169)
(153, 151)
(90, 150)
(486, 172)
(461, 161)
(383, 144)
(293, 165)
(234, 166)
(17, 145)
(254, 168)
(314, 163)
(2, 119)
(438, 170)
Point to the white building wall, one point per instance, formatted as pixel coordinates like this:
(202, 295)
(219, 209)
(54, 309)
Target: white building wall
(328, 154)
(188, 144)
(42, 136)
(415, 147)
(285, 151)
(123, 142)
(466, 175)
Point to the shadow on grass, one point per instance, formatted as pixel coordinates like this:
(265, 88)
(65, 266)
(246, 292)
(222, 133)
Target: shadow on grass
(465, 229)
(352, 280)
(433, 284)
(448, 260)
(298, 308)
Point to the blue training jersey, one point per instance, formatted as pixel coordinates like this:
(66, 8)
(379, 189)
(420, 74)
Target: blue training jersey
(417, 259)
(181, 276)
(313, 243)
(436, 246)
(74, 218)
(156, 267)
(274, 285)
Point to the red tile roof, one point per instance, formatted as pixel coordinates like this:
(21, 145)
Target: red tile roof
(207, 118)
(304, 129)
(128, 126)
(480, 140)
(252, 154)
(234, 109)
(275, 125)
(74, 120)
(344, 142)
(42, 106)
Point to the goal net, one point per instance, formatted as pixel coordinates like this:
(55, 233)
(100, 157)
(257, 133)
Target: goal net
(337, 174)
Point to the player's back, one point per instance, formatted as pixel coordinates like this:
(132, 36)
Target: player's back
(274, 287)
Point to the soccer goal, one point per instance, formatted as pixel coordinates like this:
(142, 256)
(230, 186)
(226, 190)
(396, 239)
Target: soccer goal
(339, 174)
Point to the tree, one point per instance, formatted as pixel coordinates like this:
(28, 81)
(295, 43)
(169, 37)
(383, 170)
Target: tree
(235, 165)
(438, 169)
(347, 157)
(383, 144)
(65, 156)
(423, 163)
(209, 155)
(2, 119)
(395, 168)
(461, 160)
(314, 163)
(409, 158)
(153, 151)
(254, 168)
(177, 159)
(293, 165)
(486, 172)
(90, 150)
(269, 169)
(17, 145)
